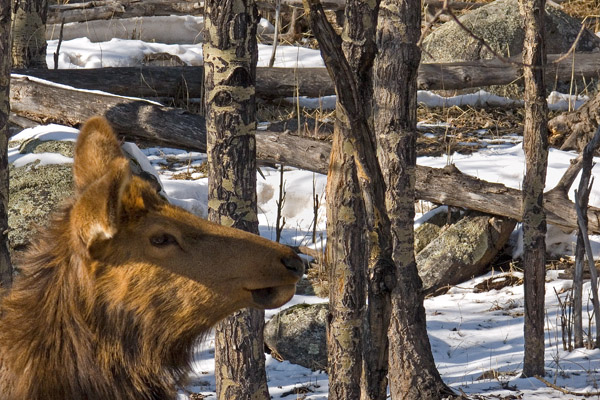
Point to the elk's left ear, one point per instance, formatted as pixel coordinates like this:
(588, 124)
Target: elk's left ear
(95, 215)
(96, 147)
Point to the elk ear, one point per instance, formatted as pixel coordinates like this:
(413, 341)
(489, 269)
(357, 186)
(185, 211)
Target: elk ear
(95, 215)
(97, 146)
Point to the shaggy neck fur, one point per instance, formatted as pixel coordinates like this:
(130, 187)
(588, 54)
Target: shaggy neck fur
(73, 329)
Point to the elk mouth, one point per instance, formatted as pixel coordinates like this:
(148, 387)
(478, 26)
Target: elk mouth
(272, 297)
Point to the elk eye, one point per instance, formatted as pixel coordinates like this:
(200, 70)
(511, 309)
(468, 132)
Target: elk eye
(163, 239)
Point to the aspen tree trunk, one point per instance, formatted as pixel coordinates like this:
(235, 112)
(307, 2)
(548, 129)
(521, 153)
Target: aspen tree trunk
(535, 143)
(412, 370)
(230, 55)
(360, 48)
(347, 257)
(29, 33)
(348, 245)
(5, 61)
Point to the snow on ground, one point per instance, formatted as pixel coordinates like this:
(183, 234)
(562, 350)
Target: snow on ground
(471, 333)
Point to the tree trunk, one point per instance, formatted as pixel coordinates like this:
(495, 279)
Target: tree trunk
(352, 108)
(346, 344)
(5, 61)
(582, 199)
(230, 55)
(412, 370)
(29, 33)
(346, 260)
(535, 143)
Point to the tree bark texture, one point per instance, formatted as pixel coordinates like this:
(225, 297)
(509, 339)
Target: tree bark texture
(6, 269)
(29, 33)
(359, 49)
(352, 109)
(230, 55)
(467, 74)
(346, 218)
(535, 143)
(143, 121)
(347, 257)
(583, 197)
(412, 370)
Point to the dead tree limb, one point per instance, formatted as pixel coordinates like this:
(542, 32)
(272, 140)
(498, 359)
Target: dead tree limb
(143, 121)
(311, 82)
(577, 128)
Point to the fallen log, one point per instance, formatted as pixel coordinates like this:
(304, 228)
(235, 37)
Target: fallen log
(312, 82)
(96, 10)
(185, 82)
(481, 73)
(139, 120)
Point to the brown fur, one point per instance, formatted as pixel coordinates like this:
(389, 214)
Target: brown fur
(115, 293)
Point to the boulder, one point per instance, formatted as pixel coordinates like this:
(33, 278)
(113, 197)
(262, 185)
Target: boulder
(501, 26)
(434, 222)
(37, 146)
(463, 250)
(36, 190)
(298, 335)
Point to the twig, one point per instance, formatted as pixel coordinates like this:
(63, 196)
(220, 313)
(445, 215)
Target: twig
(569, 176)
(60, 39)
(574, 45)
(280, 221)
(566, 391)
(276, 35)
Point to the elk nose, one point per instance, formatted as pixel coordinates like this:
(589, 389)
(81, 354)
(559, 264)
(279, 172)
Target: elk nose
(294, 264)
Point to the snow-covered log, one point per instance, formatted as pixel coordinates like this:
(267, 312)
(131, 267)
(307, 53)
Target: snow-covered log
(139, 120)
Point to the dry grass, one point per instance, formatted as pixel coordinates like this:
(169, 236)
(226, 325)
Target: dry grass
(588, 10)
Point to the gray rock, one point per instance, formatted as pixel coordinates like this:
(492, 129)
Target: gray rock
(298, 334)
(37, 146)
(35, 191)
(431, 229)
(500, 24)
(464, 250)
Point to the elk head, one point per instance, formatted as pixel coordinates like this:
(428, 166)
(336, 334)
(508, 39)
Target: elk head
(124, 227)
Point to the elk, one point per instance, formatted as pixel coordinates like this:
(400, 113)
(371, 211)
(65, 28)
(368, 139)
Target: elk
(112, 296)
